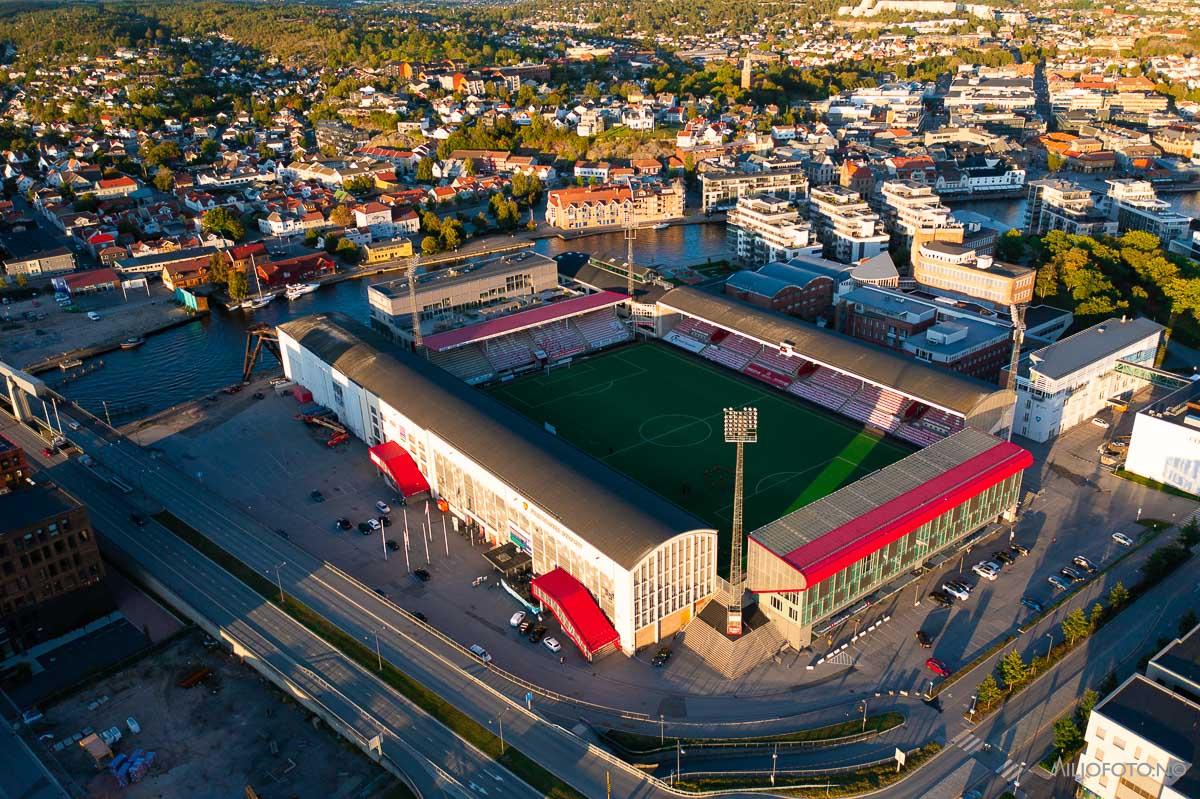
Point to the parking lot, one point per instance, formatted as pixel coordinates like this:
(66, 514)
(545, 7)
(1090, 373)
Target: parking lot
(230, 731)
(256, 454)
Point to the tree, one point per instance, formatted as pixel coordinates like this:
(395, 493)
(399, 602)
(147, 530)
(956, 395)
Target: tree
(221, 221)
(988, 692)
(347, 251)
(158, 153)
(1013, 669)
(1189, 534)
(1055, 162)
(1163, 561)
(1096, 617)
(360, 184)
(1084, 709)
(452, 234)
(1187, 621)
(430, 245)
(164, 180)
(425, 170)
(469, 167)
(218, 268)
(1046, 283)
(341, 216)
(1075, 626)
(238, 286)
(431, 223)
(1067, 737)
(1118, 595)
(1011, 246)
(209, 149)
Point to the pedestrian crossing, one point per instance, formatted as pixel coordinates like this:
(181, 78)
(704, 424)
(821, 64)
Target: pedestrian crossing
(972, 744)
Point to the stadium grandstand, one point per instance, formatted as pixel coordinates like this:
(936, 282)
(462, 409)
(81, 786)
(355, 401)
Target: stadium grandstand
(888, 392)
(648, 565)
(544, 335)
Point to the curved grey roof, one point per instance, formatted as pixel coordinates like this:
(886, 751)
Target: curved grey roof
(618, 516)
(951, 391)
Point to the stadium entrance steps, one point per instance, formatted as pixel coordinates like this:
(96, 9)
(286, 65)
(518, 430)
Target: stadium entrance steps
(732, 657)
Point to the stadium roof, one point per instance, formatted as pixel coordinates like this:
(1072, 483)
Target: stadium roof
(532, 317)
(947, 390)
(618, 516)
(846, 526)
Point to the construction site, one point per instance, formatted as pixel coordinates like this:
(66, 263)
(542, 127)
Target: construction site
(190, 720)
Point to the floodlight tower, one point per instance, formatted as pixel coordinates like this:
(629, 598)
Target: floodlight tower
(741, 428)
(630, 238)
(412, 301)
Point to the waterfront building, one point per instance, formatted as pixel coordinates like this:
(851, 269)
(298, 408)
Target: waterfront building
(825, 558)
(1062, 205)
(378, 252)
(1135, 206)
(914, 214)
(636, 203)
(722, 189)
(850, 230)
(963, 271)
(647, 565)
(764, 229)
(1068, 382)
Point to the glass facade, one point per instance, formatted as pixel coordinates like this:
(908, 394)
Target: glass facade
(804, 608)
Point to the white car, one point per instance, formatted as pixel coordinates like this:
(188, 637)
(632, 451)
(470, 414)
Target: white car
(553, 645)
(985, 570)
(955, 592)
(133, 726)
(374, 524)
(516, 619)
(383, 507)
(1122, 539)
(1100, 423)
(95, 317)
(73, 425)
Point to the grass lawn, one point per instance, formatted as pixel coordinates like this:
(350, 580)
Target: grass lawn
(655, 414)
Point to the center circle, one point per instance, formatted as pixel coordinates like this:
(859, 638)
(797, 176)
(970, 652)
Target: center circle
(674, 430)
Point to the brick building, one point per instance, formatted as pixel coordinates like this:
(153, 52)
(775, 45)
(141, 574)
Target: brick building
(13, 467)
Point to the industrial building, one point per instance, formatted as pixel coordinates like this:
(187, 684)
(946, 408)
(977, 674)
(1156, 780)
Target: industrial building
(822, 559)
(1165, 443)
(648, 565)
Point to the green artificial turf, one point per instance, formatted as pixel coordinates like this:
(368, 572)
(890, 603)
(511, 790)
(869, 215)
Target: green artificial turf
(655, 413)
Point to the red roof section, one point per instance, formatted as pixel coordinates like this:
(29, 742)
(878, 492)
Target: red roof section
(892, 520)
(572, 604)
(90, 277)
(522, 320)
(395, 460)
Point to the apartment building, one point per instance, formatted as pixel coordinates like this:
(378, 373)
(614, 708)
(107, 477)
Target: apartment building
(1068, 382)
(378, 252)
(913, 213)
(720, 190)
(14, 469)
(850, 230)
(765, 229)
(1135, 206)
(962, 270)
(445, 297)
(51, 576)
(1062, 205)
(580, 208)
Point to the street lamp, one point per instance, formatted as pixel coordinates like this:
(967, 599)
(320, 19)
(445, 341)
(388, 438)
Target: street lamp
(1049, 646)
(279, 580)
(662, 730)
(1017, 776)
(774, 759)
(974, 699)
(378, 654)
(864, 710)
(500, 721)
(678, 760)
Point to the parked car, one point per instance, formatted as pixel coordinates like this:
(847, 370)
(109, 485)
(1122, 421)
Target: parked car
(1032, 604)
(1071, 574)
(661, 656)
(316, 496)
(343, 524)
(1017, 549)
(941, 598)
(87, 460)
(480, 653)
(392, 546)
(421, 575)
(986, 570)
(1101, 423)
(31, 716)
(386, 521)
(1003, 557)
(956, 592)
(138, 519)
(381, 592)
(95, 317)
(516, 619)
(73, 425)
(133, 725)
(1122, 539)
(364, 528)
(383, 507)
(374, 525)
(418, 615)
(525, 626)
(924, 639)
(553, 645)
(937, 667)
(961, 585)
(1084, 563)
(536, 634)
(1060, 583)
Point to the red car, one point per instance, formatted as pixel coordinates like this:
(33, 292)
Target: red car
(937, 667)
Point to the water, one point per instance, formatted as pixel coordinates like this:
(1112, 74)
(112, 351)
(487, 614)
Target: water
(197, 358)
(206, 355)
(1012, 212)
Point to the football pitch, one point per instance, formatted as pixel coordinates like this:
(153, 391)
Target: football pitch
(656, 414)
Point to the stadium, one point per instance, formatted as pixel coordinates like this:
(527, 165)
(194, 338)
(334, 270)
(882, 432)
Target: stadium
(603, 458)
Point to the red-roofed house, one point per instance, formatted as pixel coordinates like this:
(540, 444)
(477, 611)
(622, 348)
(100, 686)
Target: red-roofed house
(87, 282)
(121, 186)
(277, 274)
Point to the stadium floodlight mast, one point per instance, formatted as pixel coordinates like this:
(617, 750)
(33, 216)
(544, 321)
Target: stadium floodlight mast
(741, 428)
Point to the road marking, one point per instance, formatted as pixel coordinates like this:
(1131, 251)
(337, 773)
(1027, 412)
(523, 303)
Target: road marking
(1010, 771)
(970, 744)
(959, 737)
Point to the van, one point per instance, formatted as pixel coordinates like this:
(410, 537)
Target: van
(480, 653)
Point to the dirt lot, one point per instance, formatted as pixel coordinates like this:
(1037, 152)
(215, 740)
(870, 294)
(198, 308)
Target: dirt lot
(211, 740)
(24, 341)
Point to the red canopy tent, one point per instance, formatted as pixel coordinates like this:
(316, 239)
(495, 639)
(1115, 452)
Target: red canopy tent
(394, 460)
(581, 618)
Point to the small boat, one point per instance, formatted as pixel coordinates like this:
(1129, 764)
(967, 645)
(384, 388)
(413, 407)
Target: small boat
(255, 303)
(296, 290)
(660, 226)
(69, 363)
(133, 342)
